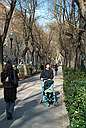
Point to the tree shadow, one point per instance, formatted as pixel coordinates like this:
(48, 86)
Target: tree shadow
(26, 110)
(37, 94)
(29, 111)
(31, 79)
(27, 81)
(2, 106)
(23, 114)
(25, 86)
(3, 120)
(28, 98)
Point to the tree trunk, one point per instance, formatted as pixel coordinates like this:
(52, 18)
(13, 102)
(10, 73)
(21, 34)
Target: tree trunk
(77, 58)
(66, 59)
(3, 36)
(32, 57)
(82, 10)
(8, 19)
(1, 58)
(1, 54)
(70, 60)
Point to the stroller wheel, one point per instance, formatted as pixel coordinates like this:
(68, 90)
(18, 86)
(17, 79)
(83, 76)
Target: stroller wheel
(41, 101)
(55, 104)
(48, 105)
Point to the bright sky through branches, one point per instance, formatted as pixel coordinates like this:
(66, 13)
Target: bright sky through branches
(43, 11)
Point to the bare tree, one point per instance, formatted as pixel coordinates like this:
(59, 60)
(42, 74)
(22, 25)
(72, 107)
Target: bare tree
(71, 19)
(28, 16)
(12, 4)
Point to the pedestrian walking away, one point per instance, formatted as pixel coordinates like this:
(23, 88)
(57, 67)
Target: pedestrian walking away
(42, 67)
(9, 78)
(56, 69)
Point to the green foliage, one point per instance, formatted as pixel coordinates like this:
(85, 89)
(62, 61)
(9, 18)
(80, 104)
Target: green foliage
(75, 97)
(21, 71)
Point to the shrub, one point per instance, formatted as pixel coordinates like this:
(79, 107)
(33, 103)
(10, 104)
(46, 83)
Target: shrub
(75, 97)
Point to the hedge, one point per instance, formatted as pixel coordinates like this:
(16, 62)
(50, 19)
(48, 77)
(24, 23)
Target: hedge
(75, 97)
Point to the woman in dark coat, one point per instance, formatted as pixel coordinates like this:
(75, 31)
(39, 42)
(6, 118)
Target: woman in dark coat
(9, 79)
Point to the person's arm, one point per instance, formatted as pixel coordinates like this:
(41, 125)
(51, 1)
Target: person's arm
(42, 75)
(3, 77)
(17, 72)
(52, 74)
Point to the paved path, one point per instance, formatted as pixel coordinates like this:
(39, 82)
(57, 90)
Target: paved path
(29, 113)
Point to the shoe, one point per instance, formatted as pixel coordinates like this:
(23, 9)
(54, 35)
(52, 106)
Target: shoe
(41, 101)
(48, 105)
(10, 117)
(55, 104)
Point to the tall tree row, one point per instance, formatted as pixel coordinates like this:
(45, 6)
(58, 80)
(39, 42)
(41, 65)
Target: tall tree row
(71, 22)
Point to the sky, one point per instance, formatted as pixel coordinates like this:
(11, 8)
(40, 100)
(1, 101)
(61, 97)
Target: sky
(43, 12)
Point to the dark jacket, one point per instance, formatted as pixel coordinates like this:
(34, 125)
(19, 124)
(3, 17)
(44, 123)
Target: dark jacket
(56, 67)
(47, 74)
(10, 84)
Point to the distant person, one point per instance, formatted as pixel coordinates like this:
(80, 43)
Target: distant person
(16, 71)
(56, 69)
(42, 67)
(9, 78)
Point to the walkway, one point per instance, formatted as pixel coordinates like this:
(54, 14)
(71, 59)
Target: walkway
(30, 113)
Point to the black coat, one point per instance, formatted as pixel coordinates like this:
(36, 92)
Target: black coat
(10, 87)
(56, 67)
(47, 74)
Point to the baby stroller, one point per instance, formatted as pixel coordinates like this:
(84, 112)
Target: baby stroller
(49, 95)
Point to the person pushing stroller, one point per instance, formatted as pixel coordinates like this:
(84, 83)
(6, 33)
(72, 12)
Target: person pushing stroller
(46, 74)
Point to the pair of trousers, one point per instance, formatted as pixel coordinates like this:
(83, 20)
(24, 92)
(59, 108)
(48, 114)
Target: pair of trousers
(55, 73)
(10, 108)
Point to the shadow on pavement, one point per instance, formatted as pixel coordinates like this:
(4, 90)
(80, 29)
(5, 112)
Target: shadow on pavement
(25, 86)
(31, 79)
(23, 115)
(2, 106)
(32, 96)
(24, 112)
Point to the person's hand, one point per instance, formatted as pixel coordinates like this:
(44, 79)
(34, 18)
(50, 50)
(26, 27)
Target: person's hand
(42, 79)
(49, 79)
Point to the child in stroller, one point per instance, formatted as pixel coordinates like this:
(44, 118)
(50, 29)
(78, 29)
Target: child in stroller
(49, 94)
